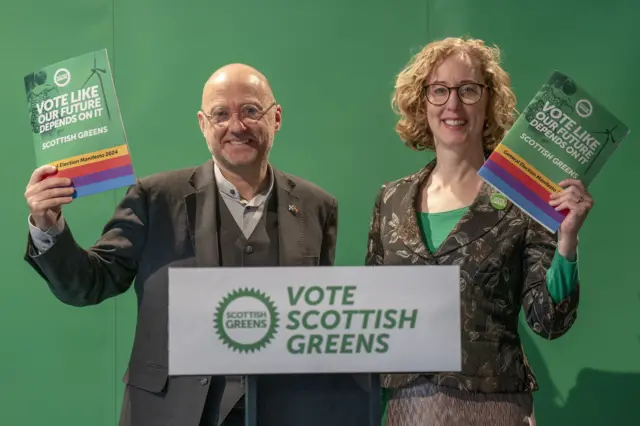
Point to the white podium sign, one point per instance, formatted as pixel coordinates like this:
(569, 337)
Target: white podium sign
(280, 320)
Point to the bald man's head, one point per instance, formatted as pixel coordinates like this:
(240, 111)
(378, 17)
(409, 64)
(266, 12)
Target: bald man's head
(237, 75)
(239, 117)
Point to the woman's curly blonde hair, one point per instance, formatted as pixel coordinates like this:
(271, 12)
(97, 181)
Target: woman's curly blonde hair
(410, 102)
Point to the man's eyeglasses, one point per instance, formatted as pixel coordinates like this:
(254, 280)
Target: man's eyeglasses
(468, 93)
(248, 114)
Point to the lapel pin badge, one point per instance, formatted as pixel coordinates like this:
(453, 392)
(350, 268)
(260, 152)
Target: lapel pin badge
(293, 209)
(498, 201)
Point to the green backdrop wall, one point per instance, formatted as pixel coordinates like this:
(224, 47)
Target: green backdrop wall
(332, 65)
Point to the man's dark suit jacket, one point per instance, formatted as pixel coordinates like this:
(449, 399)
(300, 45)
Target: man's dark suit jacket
(168, 220)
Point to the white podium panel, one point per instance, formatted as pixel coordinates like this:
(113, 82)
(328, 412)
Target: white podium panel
(282, 320)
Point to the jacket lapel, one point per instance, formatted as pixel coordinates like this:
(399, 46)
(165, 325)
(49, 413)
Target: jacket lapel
(479, 219)
(290, 221)
(201, 212)
(408, 229)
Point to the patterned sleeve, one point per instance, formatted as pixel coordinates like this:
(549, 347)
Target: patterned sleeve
(547, 318)
(375, 251)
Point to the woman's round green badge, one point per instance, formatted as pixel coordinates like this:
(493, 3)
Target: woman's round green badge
(498, 201)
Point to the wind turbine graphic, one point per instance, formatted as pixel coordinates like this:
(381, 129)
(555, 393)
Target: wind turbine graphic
(96, 71)
(609, 133)
(610, 138)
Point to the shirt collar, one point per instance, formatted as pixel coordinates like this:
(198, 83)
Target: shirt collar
(228, 189)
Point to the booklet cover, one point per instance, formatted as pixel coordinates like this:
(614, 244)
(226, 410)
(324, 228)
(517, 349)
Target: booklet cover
(76, 123)
(563, 133)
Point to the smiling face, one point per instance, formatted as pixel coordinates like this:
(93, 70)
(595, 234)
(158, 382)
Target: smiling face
(455, 123)
(241, 119)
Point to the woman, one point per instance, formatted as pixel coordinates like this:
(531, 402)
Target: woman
(454, 98)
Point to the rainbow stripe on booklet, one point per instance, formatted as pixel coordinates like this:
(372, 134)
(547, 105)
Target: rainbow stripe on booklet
(564, 133)
(98, 171)
(523, 185)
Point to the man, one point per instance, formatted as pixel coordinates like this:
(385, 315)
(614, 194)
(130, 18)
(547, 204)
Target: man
(235, 210)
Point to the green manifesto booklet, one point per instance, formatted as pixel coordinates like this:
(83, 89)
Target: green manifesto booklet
(563, 133)
(76, 123)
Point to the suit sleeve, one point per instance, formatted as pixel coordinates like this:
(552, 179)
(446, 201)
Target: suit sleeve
(80, 277)
(547, 317)
(330, 236)
(375, 251)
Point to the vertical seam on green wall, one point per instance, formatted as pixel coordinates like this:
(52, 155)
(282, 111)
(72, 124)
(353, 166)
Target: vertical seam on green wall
(427, 20)
(114, 409)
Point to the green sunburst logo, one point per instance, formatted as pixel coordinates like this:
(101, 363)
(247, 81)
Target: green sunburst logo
(246, 320)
